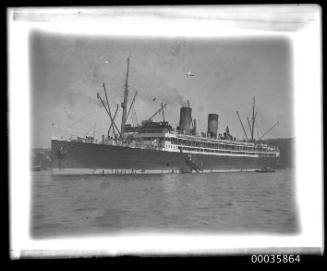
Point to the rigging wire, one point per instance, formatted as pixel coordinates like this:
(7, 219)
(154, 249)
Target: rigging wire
(65, 130)
(81, 118)
(258, 125)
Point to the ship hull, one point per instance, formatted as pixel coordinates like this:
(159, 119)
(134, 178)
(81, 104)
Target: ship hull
(86, 158)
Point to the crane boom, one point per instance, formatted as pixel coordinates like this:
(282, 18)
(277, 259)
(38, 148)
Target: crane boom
(247, 118)
(157, 112)
(105, 93)
(99, 97)
(242, 125)
(163, 111)
(112, 123)
(130, 107)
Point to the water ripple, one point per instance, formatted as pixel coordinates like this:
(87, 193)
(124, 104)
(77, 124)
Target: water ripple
(234, 202)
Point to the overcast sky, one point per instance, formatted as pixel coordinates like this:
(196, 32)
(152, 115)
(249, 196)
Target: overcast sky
(68, 71)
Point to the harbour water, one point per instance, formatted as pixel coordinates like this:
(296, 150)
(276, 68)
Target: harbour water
(243, 202)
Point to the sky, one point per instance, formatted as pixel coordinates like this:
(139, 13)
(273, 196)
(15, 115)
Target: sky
(67, 71)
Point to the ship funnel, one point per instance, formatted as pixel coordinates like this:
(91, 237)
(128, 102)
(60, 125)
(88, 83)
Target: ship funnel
(185, 120)
(212, 125)
(194, 127)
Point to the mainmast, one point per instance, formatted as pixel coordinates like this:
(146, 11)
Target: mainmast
(124, 103)
(253, 119)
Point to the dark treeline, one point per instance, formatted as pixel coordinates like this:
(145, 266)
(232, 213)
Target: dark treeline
(41, 159)
(286, 147)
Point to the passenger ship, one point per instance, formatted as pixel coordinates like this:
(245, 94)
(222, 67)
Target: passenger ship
(155, 147)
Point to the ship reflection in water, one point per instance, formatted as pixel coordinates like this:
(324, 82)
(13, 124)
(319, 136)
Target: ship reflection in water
(203, 203)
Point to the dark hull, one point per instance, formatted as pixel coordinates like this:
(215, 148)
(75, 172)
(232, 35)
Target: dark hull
(74, 155)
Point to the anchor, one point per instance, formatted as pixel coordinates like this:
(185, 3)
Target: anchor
(61, 152)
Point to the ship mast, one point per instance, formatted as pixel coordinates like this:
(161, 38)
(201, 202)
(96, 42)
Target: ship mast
(124, 103)
(253, 119)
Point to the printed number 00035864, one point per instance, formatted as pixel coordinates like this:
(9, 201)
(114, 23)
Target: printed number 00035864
(275, 258)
